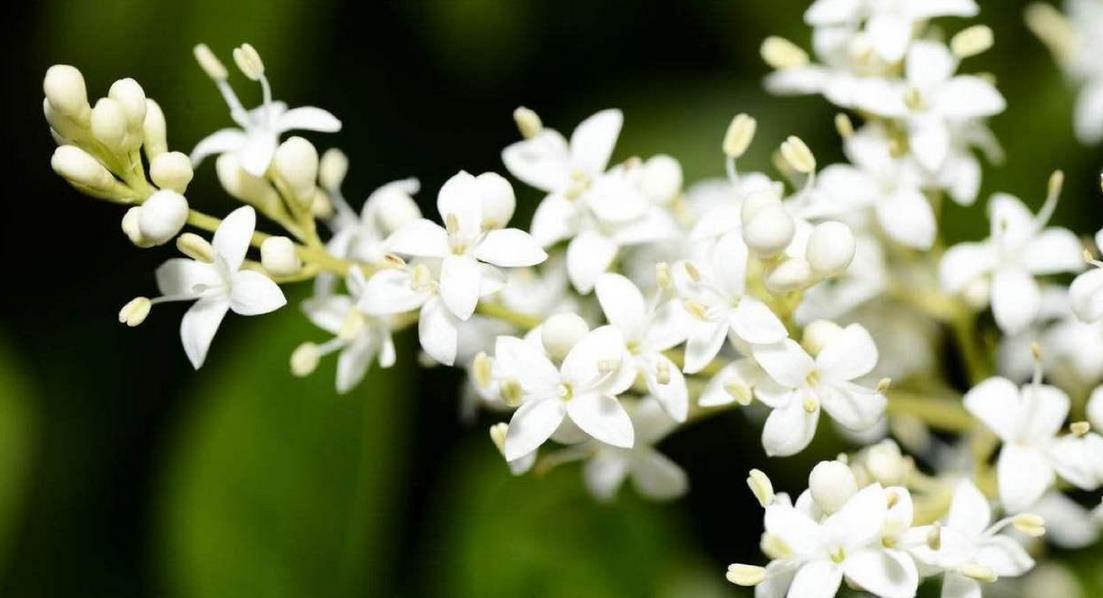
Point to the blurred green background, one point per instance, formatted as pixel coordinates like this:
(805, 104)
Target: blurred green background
(124, 473)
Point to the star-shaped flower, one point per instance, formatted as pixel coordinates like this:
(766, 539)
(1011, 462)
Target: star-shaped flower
(219, 286)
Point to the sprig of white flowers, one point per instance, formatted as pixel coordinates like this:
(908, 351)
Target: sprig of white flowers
(635, 304)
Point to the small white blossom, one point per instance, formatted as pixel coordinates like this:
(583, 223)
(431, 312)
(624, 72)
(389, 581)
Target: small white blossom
(888, 24)
(584, 389)
(218, 287)
(468, 251)
(648, 331)
(802, 385)
(653, 474)
(1019, 247)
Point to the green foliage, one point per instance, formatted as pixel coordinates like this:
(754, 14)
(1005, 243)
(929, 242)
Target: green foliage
(18, 434)
(496, 535)
(279, 487)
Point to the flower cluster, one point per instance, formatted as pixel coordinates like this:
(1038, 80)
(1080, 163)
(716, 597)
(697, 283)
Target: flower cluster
(635, 303)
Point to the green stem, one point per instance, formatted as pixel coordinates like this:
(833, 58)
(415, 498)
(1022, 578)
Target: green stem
(943, 413)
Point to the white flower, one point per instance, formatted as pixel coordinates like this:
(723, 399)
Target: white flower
(1027, 420)
(648, 331)
(717, 300)
(802, 385)
(467, 250)
(1075, 40)
(938, 100)
(258, 131)
(967, 542)
(395, 291)
(1086, 291)
(218, 287)
(845, 544)
(889, 24)
(1019, 248)
(653, 474)
(892, 187)
(598, 211)
(361, 238)
(359, 337)
(584, 389)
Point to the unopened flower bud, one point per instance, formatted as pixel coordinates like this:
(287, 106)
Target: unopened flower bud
(296, 163)
(332, 169)
(154, 130)
(498, 201)
(887, 464)
(662, 178)
(394, 208)
(782, 54)
(130, 95)
(135, 311)
(66, 92)
(304, 359)
(209, 62)
(797, 155)
(80, 168)
(162, 216)
(1095, 409)
(793, 274)
(818, 335)
(832, 484)
(739, 136)
(830, 248)
(171, 170)
(242, 185)
(761, 487)
(528, 122)
(769, 231)
(561, 332)
(745, 575)
(131, 228)
(109, 125)
(971, 41)
(756, 201)
(321, 206)
(248, 61)
(278, 256)
(195, 247)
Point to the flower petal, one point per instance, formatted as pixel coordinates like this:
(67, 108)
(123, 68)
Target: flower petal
(199, 326)
(969, 510)
(231, 240)
(179, 277)
(657, 477)
(1005, 556)
(353, 363)
(859, 522)
(583, 364)
(593, 139)
(786, 362)
(510, 248)
(854, 407)
(1016, 299)
(928, 64)
(532, 424)
(963, 263)
(524, 361)
(423, 238)
(1043, 414)
(438, 331)
(789, 429)
(219, 142)
(1052, 251)
(604, 475)
(890, 34)
(602, 417)
(674, 395)
(1088, 115)
(622, 304)
(907, 217)
(704, 343)
(542, 161)
(1024, 474)
(459, 197)
(308, 118)
(460, 278)
(755, 323)
(967, 97)
(1086, 295)
(816, 579)
(882, 572)
(850, 354)
(588, 256)
(959, 586)
(995, 402)
(252, 294)
(256, 153)
(554, 220)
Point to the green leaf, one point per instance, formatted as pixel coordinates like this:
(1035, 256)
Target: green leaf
(495, 535)
(18, 435)
(278, 486)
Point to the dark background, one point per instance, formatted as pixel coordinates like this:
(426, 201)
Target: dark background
(125, 473)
